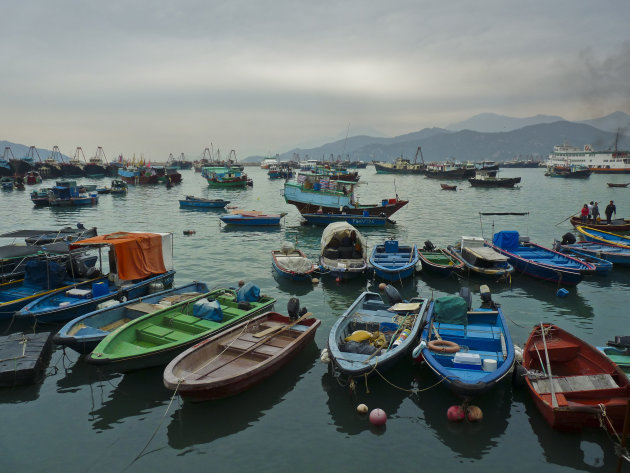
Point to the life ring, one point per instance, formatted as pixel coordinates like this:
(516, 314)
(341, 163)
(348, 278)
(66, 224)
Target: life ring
(443, 346)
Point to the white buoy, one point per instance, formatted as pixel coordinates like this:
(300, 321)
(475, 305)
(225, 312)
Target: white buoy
(324, 357)
(362, 409)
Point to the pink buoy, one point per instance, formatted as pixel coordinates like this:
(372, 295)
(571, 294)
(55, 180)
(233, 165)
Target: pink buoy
(378, 417)
(338, 279)
(455, 413)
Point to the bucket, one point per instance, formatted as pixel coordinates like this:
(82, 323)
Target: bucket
(100, 289)
(489, 364)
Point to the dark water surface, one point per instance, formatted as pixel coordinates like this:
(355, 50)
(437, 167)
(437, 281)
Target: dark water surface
(80, 419)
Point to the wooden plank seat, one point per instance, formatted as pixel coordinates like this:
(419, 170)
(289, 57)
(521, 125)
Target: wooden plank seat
(240, 345)
(144, 307)
(567, 384)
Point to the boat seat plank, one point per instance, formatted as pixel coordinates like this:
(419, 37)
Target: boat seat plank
(144, 307)
(114, 325)
(279, 341)
(566, 384)
(244, 345)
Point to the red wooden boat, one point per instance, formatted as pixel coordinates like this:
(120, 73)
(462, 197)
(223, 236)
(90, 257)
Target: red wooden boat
(610, 184)
(584, 385)
(447, 187)
(616, 225)
(240, 357)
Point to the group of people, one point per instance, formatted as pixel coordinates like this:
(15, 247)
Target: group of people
(590, 212)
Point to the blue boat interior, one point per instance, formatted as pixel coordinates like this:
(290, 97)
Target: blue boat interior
(392, 256)
(510, 241)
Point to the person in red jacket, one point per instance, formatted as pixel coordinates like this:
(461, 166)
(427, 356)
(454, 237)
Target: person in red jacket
(584, 213)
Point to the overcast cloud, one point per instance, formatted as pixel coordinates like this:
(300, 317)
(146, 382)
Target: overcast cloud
(154, 77)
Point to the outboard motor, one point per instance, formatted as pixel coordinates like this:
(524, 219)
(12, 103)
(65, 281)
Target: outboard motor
(428, 246)
(393, 294)
(486, 298)
(568, 239)
(293, 309)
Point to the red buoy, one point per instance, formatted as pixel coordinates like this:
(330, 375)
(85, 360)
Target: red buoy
(378, 417)
(455, 413)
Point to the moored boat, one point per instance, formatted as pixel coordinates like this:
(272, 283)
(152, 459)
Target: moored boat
(374, 334)
(202, 203)
(485, 178)
(538, 261)
(611, 161)
(451, 325)
(616, 225)
(240, 357)
(118, 187)
(400, 166)
(155, 339)
(446, 187)
(438, 260)
(478, 259)
(572, 171)
(252, 218)
(291, 263)
(394, 262)
(222, 176)
(612, 184)
(354, 220)
(573, 384)
(343, 251)
(601, 236)
(83, 333)
(618, 255)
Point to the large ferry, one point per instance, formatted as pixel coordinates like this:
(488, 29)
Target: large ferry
(604, 162)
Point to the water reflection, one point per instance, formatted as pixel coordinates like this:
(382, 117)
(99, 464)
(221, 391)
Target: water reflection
(136, 394)
(201, 423)
(80, 374)
(467, 439)
(342, 401)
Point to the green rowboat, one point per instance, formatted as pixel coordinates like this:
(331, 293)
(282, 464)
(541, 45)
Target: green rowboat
(156, 338)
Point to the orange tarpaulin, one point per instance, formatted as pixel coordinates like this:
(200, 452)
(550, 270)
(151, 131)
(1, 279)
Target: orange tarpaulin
(138, 255)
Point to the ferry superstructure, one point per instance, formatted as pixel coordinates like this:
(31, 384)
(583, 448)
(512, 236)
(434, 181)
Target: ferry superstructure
(603, 162)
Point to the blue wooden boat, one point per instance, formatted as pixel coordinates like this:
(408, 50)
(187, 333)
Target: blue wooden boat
(252, 218)
(118, 187)
(393, 262)
(478, 259)
(291, 263)
(469, 350)
(600, 236)
(373, 333)
(354, 220)
(68, 194)
(201, 203)
(343, 252)
(618, 255)
(41, 278)
(602, 266)
(540, 262)
(139, 264)
(83, 333)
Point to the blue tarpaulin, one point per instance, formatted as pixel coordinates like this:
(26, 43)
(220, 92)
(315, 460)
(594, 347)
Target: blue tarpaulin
(208, 310)
(249, 292)
(506, 240)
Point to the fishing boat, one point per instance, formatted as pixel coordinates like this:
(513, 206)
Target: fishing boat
(611, 161)
(139, 263)
(484, 178)
(291, 263)
(147, 174)
(374, 334)
(400, 166)
(96, 166)
(222, 177)
(7, 183)
(33, 177)
(40, 197)
(83, 333)
(240, 357)
(394, 262)
(103, 190)
(267, 162)
(68, 194)
(601, 236)
(618, 255)
(312, 193)
(602, 266)
(488, 356)
(118, 187)
(616, 225)
(611, 184)
(252, 218)
(44, 237)
(572, 171)
(279, 171)
(41, 278)
(155, 339)
(572, 383)
(201, 203)
(446, 187)
(538, 261)
(479, 259)
(343, 251)
(354, 220)
(438, 260)
(450, 170)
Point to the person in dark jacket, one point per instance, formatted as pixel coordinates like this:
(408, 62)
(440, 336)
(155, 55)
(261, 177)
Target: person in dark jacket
(610, 210)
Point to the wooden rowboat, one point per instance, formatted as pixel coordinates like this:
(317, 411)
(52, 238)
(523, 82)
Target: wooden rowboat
(446, 187)
(616, 225)
(293, 264)
(572, 383)
(240, 357)
(610, 184)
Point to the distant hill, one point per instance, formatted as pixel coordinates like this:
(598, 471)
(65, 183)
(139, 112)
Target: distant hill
(612, 123)
(534, 141)
(19, 151)
(493, 123)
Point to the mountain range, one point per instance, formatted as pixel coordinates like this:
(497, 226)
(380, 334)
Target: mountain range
(484, 136)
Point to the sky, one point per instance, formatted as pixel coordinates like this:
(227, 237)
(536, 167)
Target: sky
(261, 77)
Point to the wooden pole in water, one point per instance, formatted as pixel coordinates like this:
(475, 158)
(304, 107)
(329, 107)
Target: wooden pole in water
(624, 435)
(554, 401)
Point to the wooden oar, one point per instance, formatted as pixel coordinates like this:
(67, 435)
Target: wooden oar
(554, 401)
(574, 215)
(259, 343)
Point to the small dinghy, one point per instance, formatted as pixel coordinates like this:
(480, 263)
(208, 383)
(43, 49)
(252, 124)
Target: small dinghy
(373, 333)
(240, 357)
(438, 260)
(252, 218)
(343, 251)
(571, 382)
(394, 262)
(601, 236)
(480, 260)
(618, 350)
(291, 263)
(201, 203)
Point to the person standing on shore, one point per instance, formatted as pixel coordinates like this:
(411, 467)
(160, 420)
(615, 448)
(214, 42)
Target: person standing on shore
(610, 210)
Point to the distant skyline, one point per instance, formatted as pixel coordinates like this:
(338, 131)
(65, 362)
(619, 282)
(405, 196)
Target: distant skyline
(154, 78)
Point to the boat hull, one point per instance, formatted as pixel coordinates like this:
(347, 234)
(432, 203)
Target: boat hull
(617, 225)
(354, 220)
(285, 272)
(600, 236)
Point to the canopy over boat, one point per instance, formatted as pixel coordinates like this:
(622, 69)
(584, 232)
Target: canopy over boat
(340, 230)
(138, 254)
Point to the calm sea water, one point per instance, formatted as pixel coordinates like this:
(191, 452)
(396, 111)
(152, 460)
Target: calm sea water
(79, 419)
